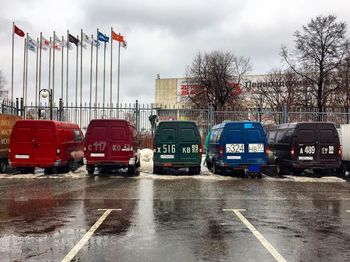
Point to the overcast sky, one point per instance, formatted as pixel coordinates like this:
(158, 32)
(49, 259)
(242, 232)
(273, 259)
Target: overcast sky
(163, 36)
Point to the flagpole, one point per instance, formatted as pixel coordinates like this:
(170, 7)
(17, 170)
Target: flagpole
(26, 87)
(76, 80)
(91, 57)
(24, 68)
(111, 75)
(67, 72)
(13, 55)
(49, 86)
(104, 75)
(62, 69)
(81, 76)
(118, 88)
(96, 77)
(36, 73)
(53, 68)
(41, 47)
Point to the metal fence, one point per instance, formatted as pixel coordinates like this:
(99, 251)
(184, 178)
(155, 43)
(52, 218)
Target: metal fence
(140, 115)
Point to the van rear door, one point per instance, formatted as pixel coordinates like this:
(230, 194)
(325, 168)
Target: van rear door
(306, 147)
(22, 145)
(234, 144)
(255, 140)
(120, 139)
(45, 142)
(166, 142)
(328, 142)
(188, 142)
(96, 140)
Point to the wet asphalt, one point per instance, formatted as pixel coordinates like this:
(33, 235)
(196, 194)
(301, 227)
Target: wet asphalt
(174, 218)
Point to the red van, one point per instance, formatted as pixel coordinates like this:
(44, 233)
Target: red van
(110, 144)
(52, 145)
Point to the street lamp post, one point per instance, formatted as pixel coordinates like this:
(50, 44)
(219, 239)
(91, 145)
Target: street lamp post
(44, 93)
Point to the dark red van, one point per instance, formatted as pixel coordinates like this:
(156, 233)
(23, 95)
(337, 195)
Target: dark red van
(110, 144)
(52, 145)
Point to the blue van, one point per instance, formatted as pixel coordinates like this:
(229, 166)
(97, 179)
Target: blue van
(237, 146)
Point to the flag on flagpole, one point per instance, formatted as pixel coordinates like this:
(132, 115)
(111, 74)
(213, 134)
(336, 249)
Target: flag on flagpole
(58, 43)
(117, 37)
(86, 38)
(18, 31)
(102, 37)
(95, 43)
(45, 44)
(124, 44)
(32, 44)
(73, 40)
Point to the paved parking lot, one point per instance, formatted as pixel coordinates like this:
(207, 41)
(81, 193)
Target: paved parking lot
(173, 218)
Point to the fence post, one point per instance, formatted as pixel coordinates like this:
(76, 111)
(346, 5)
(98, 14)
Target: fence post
(210, 116)
(60, 109)
(137, 112)
(17, 107)
(285, 114)
(22, 107)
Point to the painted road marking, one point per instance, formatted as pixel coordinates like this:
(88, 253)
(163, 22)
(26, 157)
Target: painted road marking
(348, 211)
(88, 234)
(258, 235)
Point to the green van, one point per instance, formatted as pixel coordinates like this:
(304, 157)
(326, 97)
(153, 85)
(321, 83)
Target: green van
(177, 144)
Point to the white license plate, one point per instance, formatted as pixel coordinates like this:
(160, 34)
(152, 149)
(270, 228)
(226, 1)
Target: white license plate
(22, 156)
(234, 157)
(306, 158)
(256, 148)
(97, 154)
(167, 156)
(234, 148)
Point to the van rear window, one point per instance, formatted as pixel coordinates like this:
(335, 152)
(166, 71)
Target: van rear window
(254, 135)
(98, 132)
(25, 134)
(325, 136)
(167, 135)
(118, 133)
(306, 136)
(235, 135)
(43, 135)
(187, 135)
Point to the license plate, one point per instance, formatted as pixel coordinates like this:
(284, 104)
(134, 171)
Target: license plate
(234, 148)
(22, 156)
(307, 150)
(308, 158)
(167, 156)
(327, 150)
(256, 148)
(254, 168)
(97, 154)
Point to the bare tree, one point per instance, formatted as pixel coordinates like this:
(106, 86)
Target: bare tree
(319, 50)
(279, 89)
(215, 78)
(2, 86)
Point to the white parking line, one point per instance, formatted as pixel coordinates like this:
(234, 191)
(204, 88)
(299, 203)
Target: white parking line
(258, 235)
(88, 234)
(348, 211)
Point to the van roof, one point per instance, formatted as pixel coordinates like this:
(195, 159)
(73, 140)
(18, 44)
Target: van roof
(223, 124)
(56, 123)
(296, 124)
(177, 121)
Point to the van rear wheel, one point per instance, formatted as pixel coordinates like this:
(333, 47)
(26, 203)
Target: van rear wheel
(194, 170)
(216, 169)
(90, 169)
(131, 170)
(3, 166)
(157, 170)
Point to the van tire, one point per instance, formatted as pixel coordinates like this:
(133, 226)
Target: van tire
(131, 170)
(194, 170)
(208, 164)
(3, 166)
(216, 169)
(157, 170)
(279, 170)
(259, 175)
(90, 169)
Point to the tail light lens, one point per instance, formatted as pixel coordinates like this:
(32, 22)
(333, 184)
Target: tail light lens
(221, 152)
(200, 149)
(58, 151)
(267, 151)
(154, 149)
(340, 152)
(292, 152)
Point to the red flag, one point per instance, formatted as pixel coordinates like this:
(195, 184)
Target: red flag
(117, 37)
(18, 31)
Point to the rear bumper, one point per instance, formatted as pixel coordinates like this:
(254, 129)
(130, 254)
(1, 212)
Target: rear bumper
(241, 166)
(56, 163)
(177, 164)
(116, 163)
(316, 165)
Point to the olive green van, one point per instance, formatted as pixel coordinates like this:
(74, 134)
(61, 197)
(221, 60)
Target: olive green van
(177, 144)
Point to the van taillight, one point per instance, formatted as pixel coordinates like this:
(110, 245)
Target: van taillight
(340, 152)
(292, 152)
(58, 151)
(200, 149)
(154, 149)
(267, 151)
(221, 151)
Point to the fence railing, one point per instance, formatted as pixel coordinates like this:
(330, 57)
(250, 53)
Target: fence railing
(140, 115)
